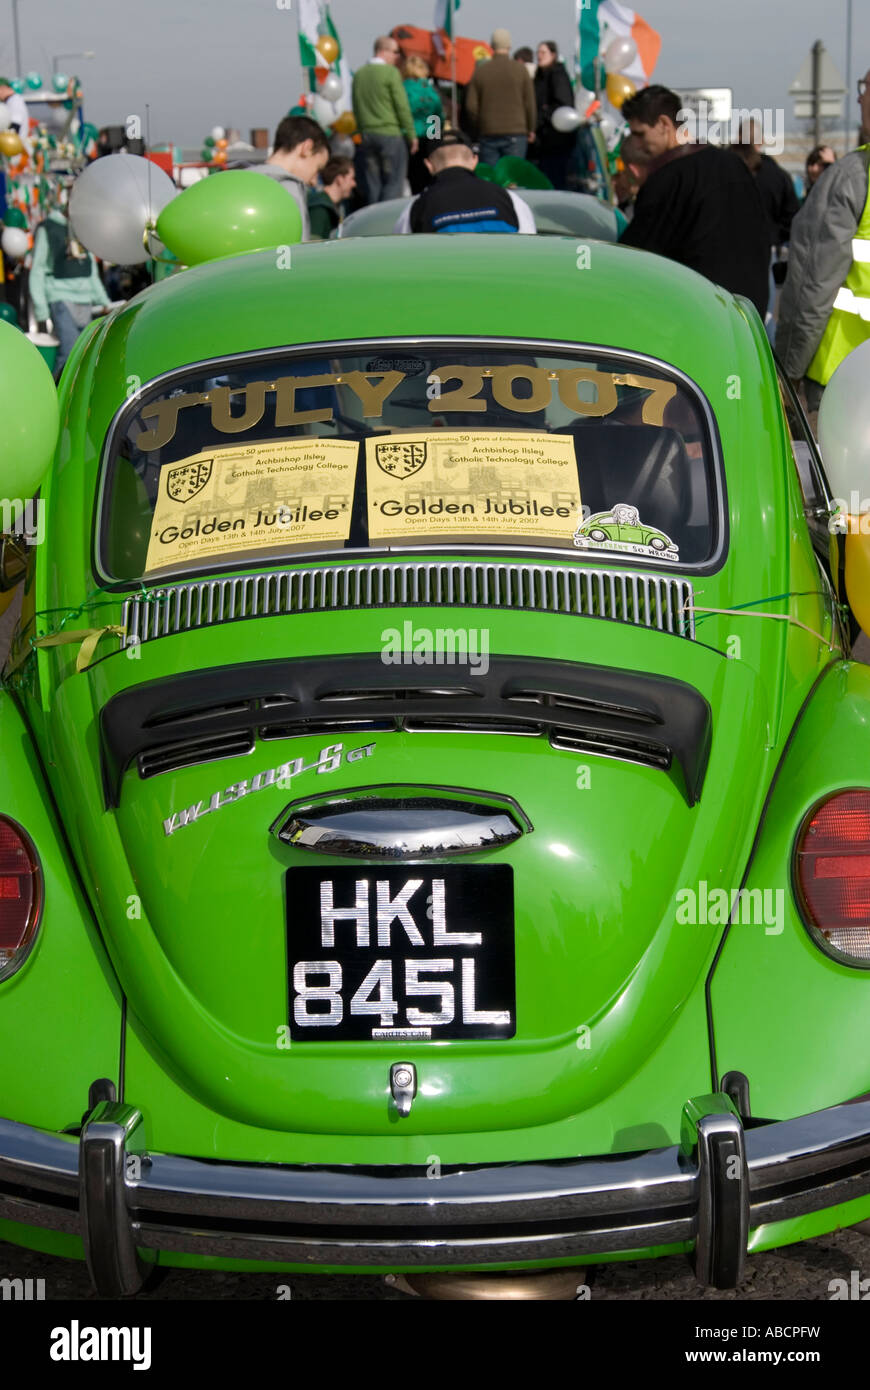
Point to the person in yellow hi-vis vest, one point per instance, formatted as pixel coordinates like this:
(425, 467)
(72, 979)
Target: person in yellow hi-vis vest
(824, 311)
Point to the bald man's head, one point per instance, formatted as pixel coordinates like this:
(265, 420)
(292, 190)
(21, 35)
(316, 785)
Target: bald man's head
(455, 154)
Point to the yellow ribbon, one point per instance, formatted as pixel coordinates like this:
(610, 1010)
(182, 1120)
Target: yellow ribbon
(89, 637)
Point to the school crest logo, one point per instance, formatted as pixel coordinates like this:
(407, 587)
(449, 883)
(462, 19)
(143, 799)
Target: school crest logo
(400, 460)
(185, 482)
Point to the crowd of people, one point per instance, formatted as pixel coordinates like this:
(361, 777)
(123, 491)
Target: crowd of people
(507, 109)
(732, 214)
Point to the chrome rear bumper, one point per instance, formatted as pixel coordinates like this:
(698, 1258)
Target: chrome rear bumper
(706, 1193)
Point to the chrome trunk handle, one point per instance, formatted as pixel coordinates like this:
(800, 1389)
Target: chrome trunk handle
(402, 822)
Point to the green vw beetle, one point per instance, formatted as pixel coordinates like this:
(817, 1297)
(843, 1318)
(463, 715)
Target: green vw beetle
(388, 883)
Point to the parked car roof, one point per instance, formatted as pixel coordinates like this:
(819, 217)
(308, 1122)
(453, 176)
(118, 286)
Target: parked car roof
(359, 288)
(557, 213)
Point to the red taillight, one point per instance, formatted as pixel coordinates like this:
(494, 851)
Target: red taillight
(832, 870)
(20, 896)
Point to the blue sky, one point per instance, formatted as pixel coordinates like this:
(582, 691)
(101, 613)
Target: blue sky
(199, 63)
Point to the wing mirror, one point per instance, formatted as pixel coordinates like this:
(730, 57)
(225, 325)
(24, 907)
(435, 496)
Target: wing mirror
(844, 440)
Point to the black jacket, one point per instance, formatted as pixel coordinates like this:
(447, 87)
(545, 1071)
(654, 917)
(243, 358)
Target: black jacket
(701, 206)
(552, 90)
(778, 198)
(458, 201)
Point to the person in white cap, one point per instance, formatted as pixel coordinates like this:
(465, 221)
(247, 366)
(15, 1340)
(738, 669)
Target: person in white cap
(500, 103)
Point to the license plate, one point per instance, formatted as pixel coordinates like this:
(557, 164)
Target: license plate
(401, 953)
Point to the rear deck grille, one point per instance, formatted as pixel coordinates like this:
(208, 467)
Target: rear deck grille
(645, 600)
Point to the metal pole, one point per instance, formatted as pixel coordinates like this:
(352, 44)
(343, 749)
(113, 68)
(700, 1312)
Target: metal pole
(453, 97)
(846, 141)
(818, 49)
(16, 38)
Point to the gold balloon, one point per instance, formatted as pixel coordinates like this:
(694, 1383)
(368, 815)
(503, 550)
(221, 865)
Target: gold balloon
(327, 48)
(619, 89)
(10, 143)
(345, 125)
(858, 568)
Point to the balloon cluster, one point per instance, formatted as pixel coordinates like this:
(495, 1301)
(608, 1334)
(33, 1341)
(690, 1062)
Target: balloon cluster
(15, 238)
(119, 203)
(325, 103)
(32, 187)
(619, 54)
(214, 148)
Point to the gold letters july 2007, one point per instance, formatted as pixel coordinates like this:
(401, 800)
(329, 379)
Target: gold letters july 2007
(373, 390)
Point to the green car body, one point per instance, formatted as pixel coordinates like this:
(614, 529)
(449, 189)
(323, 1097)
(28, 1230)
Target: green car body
(161, 960)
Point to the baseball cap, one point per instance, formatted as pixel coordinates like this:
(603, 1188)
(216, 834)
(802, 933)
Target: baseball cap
(450, 139)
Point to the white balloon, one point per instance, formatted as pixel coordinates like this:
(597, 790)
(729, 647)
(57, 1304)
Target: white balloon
(566, 118)
(583, 99)
(323, 111)
(844, 429)
(113, 201)
(15, 242)
(332, 87)
(619, 54)
(218, 133)
(610, 129)
(5, 118)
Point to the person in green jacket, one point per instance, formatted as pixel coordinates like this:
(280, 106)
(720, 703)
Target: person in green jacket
(428, 114)
(325, 205)
(384, 120)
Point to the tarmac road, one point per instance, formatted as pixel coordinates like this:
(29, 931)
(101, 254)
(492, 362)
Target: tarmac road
(802, 1271)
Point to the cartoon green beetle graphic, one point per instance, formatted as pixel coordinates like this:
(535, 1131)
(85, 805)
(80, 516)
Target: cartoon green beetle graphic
(622, 529)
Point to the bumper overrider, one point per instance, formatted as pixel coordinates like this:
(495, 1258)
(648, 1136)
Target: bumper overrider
(707, 1192)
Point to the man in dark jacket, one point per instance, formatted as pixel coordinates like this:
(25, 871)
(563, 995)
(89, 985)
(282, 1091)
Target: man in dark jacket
(699, 205)
(458, 201)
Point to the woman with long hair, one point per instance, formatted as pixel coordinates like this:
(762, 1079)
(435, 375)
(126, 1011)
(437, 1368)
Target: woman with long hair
(552, 148)
(428, 114)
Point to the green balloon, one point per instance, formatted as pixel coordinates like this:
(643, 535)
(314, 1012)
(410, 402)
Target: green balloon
(206, 155)
(520, 173)
(227, 215)
(29, 411)
(14, 217)
(209, 141)
(7, 313)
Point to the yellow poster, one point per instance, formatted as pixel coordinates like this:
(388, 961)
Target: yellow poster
(506, 485)
(253, 497)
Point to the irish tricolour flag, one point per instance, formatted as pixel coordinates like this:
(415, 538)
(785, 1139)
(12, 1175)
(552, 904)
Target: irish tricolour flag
(603, 20)
(444, 12)
(314, 21)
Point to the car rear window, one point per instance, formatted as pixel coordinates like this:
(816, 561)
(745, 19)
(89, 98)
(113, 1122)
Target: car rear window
(504, 446)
